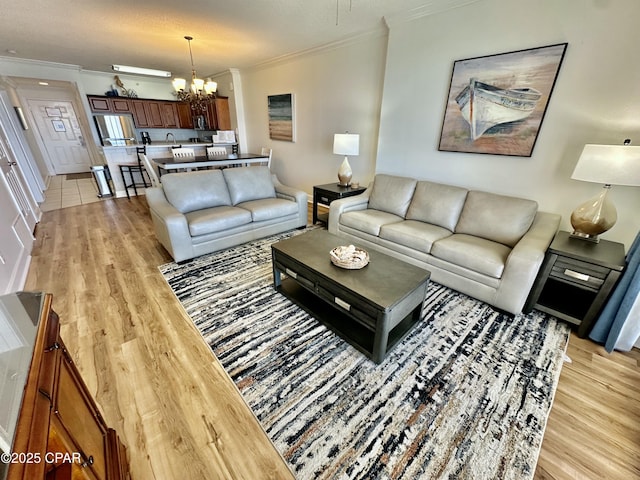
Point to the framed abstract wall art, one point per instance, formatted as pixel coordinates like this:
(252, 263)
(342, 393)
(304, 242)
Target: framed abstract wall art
(496, 103)
(281, 110)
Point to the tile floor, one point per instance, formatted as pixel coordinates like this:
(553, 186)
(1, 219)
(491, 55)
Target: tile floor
(63, 193)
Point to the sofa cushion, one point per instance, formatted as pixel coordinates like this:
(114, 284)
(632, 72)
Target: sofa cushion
(414, 234)
(368, 221)
(196, 190)
(249, 183)
(475, 253)
(217, 219)
(496, 217)
(269, 208)
(437, 204)
(392, 194)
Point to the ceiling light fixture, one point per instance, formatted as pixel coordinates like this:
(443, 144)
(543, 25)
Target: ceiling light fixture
(200, 93)
(140, 71)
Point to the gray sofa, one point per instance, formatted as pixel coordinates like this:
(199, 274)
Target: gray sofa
(485, 245)
(204, 211)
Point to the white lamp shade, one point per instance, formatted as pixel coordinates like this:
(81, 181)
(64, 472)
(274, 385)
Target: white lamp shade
(179, 84)
(609, 165)
(346, 144)
(210, 87)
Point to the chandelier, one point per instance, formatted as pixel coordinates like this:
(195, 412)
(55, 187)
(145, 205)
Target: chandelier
(200, 93)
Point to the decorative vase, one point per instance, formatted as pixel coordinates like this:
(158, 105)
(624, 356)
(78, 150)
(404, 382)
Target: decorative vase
(345, 173)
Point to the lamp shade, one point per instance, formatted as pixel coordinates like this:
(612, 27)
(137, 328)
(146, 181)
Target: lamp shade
(609, 164)
(346, 144)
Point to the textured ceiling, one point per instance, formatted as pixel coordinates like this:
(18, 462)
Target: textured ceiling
(95, 34)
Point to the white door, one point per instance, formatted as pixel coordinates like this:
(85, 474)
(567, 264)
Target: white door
(59, 129)
(16, 240)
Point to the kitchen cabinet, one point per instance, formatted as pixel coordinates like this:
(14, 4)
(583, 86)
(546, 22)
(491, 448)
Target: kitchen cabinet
(169, 112)
(100, 104)
(154, 113)
(139, 113)
(59, 425)
(185, 115)
(217, 114)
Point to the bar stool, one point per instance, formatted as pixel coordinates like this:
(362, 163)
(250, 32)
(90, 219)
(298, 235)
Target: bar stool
(129, 169)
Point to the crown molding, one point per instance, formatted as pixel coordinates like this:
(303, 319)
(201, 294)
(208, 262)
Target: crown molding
(430, 8)
(379, 31)
(41, 63)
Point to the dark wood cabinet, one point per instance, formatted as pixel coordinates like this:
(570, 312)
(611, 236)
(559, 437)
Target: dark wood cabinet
(109, 104)
(139, 113)
(185, 115)
(59, 423)
(576, 279)
(163, 113)
(217, 114)
(170, 114)
(154, 113)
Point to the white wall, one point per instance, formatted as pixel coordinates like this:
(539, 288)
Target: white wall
(336, 89)
(595, 100)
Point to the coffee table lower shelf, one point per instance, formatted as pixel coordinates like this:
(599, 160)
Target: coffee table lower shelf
(347, 326)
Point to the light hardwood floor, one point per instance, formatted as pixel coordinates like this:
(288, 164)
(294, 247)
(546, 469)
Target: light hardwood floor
(180, 416)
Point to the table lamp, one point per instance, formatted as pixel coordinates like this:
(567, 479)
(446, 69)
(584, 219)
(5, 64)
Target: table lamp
(346, 144)
(609, 165)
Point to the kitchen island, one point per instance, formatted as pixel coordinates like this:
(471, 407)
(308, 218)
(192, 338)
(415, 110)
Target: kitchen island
(127, 155)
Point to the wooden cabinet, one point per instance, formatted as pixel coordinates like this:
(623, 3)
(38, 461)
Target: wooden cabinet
(59, 424)
(154, 113)
(163, 113)
(185, 115)
(217, 114)
(109, 104)
(169, 112)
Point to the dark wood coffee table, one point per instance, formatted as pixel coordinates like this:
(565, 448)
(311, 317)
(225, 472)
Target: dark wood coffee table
(373, 308)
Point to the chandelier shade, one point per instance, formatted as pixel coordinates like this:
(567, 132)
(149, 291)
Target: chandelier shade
(199, 92)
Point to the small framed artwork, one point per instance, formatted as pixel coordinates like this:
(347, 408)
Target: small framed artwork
(58, 126)
(496, 103)
(281, 110)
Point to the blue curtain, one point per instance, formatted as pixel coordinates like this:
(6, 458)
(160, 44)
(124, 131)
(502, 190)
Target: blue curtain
(621, 310)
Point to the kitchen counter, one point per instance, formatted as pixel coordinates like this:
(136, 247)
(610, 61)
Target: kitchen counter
(127, 155)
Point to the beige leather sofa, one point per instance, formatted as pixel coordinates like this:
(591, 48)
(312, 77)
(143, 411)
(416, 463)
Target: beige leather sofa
(204, 211)
(487, 246)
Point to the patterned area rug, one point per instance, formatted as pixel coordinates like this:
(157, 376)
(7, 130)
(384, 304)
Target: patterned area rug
(465, 395)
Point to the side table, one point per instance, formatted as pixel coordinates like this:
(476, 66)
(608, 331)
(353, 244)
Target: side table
(325, 194)
(575, 280)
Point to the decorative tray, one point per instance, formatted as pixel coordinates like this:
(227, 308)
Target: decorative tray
(349, 257)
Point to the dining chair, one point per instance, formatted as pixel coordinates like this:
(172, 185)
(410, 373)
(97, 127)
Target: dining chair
(267, 152)
(183, 152)
(153, 174)
(213, 152)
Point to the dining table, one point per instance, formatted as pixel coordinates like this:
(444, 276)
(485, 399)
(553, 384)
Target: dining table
(167, 164)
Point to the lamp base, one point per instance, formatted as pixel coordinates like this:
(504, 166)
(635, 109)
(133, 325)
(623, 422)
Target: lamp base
(585, 237)
(593, 217)
(345, 173)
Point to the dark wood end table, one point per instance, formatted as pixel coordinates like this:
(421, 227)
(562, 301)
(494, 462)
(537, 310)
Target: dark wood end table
(576, 279)
(327, 193)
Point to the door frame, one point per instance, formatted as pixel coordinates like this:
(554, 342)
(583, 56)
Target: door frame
(54, 90)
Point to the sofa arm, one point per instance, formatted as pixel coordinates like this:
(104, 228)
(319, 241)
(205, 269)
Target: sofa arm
(524, 262)
(295, 195)
(170, 225)
(348, 204)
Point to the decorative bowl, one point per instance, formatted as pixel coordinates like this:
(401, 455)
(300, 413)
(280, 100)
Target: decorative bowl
(349, 257)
